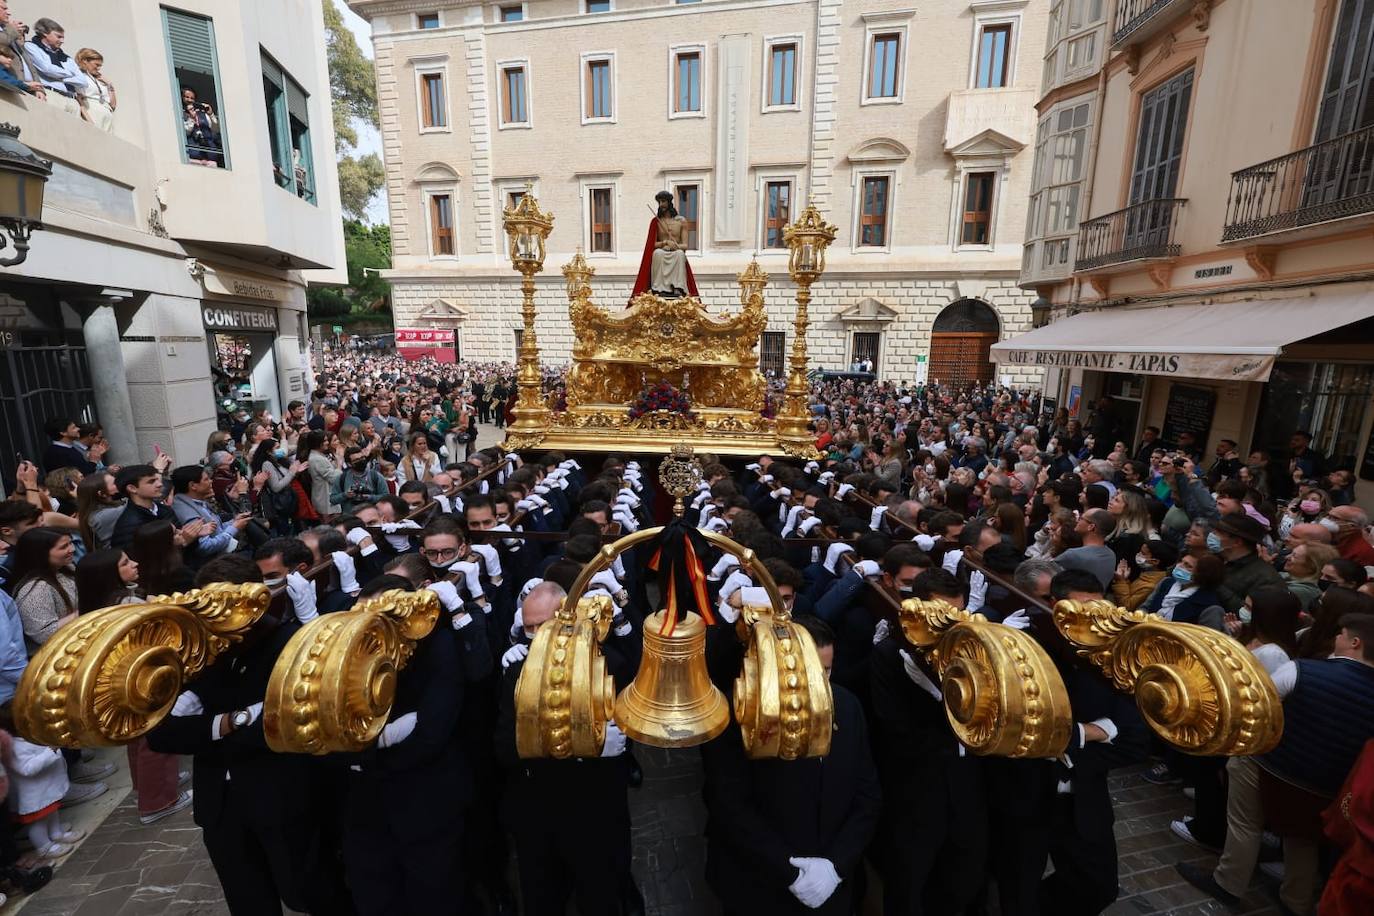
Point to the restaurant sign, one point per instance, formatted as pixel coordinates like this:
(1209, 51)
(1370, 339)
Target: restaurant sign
(1248, 367)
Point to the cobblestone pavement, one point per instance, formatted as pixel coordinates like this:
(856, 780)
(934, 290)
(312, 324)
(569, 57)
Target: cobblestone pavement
(125, 869)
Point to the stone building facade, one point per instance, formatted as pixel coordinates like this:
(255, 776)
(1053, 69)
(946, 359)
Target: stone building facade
(910, 127)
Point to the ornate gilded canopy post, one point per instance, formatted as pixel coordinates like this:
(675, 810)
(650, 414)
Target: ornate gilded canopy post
(807, 239)
(528, 228)
(751, 283)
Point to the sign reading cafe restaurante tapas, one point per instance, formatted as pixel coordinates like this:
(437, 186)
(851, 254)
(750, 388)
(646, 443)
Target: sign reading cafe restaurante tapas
(1235, 367)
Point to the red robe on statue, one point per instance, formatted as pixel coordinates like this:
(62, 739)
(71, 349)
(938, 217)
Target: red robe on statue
(646, 264)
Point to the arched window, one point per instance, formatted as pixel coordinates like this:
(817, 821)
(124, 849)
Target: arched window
(961, 343)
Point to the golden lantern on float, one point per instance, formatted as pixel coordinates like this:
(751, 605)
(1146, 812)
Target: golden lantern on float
(527, 228)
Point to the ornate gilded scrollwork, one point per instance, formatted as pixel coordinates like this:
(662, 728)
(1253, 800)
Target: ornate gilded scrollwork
(110, 676)
(1003, 695)
(1199, 690)
(333, 685)
(564, 697)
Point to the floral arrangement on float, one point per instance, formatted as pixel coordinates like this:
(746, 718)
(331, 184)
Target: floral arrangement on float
(662, 405)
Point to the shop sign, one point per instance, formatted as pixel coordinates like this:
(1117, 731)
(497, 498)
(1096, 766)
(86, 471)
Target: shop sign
(219, 282)
(238, 318)
(423, 336)
(1235, 367)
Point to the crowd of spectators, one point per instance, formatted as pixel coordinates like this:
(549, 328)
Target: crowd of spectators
(980, 497)
(34, 62)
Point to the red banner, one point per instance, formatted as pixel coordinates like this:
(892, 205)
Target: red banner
(423, 336)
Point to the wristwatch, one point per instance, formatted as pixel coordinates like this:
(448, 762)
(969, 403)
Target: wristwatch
(241, 719)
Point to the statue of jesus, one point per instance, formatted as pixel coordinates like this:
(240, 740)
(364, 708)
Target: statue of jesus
(664, 269)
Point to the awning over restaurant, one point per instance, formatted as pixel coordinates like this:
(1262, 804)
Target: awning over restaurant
(1237, 341)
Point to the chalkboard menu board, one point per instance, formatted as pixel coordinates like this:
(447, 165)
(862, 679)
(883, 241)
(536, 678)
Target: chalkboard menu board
(1189, 411)
(1367, 462)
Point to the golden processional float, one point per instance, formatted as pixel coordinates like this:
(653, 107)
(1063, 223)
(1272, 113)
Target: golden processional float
(618, 356)
(110, 676)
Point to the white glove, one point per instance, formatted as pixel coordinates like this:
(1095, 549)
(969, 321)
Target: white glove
(405, 525)
(396, 731)
(918, 677)
(833, 554)
(733, 583)
(525, 505)
(524, 593)
(492, 560)
(607, 581)
(753, 467)
(826, 478)
(628, 494)
(844, 490)
(1020, 620)
(623, 501)
(812, 467)
(362, 540)
(541, 489)
(448, 594)
(557, 473)
(457, 502)
(817, 882)
(875, 518)
(472, 578)
(626, 520)
(515, 653)
(302, 592)
(348, 573)
(708, 510)
(633, 465)
(869, 569)
(977, 591)
(717, 525)
(618, 568)
(443, 502)
(809, 525)
(766, 478)
(188, 704)
(567, 465)
(723, 566)
(881, 630)
(701, 498)
(561, 483)
(782, 493)
(615, 741)
(791, 519)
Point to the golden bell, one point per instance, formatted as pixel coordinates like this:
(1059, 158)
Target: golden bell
(672, 702)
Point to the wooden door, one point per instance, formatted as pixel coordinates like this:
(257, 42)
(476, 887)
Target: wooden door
(961, 358)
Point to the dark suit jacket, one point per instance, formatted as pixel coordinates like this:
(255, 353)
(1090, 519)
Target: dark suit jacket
(278, 784)
(763, 812)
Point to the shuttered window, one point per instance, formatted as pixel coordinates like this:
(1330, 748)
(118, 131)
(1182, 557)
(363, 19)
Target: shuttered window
(288, 130)
(195, 87)
(601, 228)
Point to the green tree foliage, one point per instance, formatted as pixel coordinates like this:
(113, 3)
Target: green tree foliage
(353, 90)
(364, 247)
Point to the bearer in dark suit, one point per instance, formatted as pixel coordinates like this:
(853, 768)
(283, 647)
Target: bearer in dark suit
(253, 806)
(789, 836)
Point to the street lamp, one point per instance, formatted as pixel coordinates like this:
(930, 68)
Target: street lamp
(807, 240)
(528, 228)
(1040, 312)
(23, 173)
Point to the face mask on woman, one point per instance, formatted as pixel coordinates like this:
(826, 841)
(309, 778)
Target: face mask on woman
(1244, 614)
(1143, 561)
(279, 453)
(1310, 507)
(1183, 575)
(1214, 542)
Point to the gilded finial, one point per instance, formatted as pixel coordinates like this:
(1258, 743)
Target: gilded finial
(680, 473)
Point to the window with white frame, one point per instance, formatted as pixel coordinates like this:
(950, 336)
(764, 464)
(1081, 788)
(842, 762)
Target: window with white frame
(514, 93)
(443, 240)
(874, 208)
(781, 72)
(992, 66)
(1054, 211)
(598, 88)
(685, 81)
(597, 6)
(1073, 38)
(883, 81)
(776, 210)
(687, 201)
(432, 96)
(976, 224)
(600, 203)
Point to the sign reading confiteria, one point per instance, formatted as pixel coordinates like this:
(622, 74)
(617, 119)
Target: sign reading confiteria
(238, 318)
(1234, 367)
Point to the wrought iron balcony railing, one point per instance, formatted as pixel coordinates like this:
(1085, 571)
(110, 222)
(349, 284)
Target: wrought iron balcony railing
(1331, 180)
(1141, 231)
(1132, 15)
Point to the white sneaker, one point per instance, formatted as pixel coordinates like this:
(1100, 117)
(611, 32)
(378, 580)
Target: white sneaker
(89, 772)
(79, 793)
(182, 800)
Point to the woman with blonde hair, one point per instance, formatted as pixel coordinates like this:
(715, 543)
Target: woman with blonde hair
(1303, 568)
(419, 463)
(97, 96)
